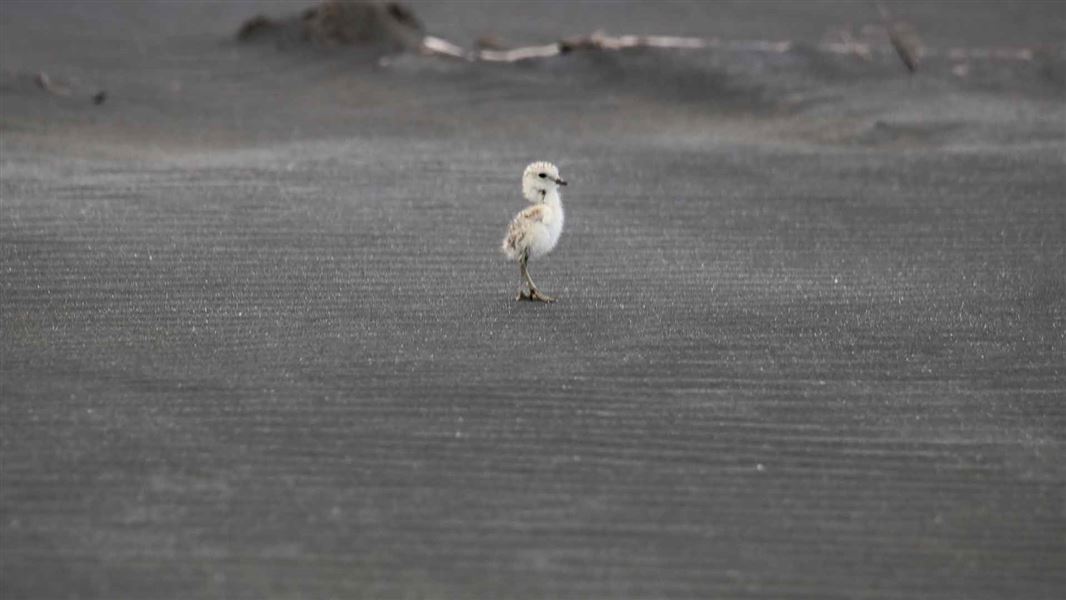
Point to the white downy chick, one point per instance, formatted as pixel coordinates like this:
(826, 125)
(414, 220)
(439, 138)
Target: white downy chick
(535, 231)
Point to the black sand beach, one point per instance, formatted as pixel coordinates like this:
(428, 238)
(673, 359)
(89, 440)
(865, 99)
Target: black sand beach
(258, 340)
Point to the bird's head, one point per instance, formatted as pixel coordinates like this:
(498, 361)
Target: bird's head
(539, 180)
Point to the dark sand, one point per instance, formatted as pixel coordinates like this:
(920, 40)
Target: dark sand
(258, 341)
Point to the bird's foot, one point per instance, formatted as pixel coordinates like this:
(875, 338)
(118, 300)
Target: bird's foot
(534, 295)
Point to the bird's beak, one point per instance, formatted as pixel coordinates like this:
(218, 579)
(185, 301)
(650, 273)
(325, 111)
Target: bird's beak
(560, 181)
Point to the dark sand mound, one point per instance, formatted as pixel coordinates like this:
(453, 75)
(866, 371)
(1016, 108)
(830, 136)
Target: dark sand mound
(384, 26)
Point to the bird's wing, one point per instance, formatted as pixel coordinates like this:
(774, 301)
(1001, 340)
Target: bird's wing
(520, 225)
(535, 213)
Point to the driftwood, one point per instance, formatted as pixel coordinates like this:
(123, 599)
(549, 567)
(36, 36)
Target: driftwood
(392, 27)
(596, 40)
(902, 41)
(44, 82)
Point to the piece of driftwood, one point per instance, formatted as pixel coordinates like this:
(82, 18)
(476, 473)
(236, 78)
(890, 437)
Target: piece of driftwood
(45, 83)
(394, 27)
(902, 39)
(906, 46)
(596, 40)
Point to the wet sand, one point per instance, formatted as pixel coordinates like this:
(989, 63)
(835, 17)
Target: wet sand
(258, 340)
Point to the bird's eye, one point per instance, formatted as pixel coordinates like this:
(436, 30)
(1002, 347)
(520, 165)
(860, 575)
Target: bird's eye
(542, 175)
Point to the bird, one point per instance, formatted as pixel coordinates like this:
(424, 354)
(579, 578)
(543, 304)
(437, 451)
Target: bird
(534, 231)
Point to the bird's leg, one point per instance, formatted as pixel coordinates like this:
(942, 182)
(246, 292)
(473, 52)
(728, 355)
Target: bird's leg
(523, 294)
(534, 293)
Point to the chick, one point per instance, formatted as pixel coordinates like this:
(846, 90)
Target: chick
(535, 231)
